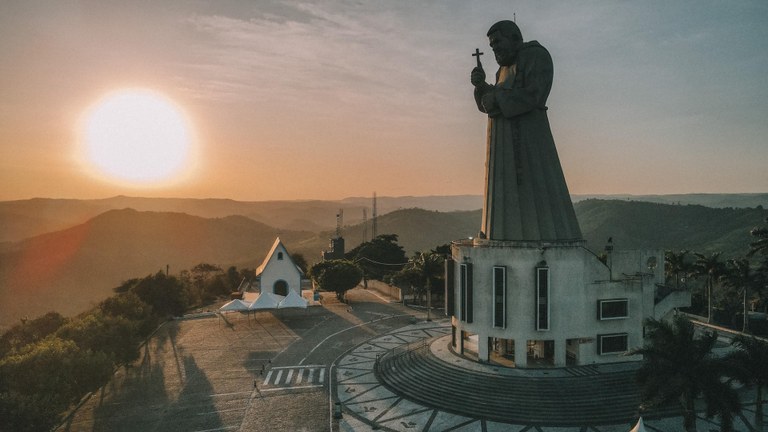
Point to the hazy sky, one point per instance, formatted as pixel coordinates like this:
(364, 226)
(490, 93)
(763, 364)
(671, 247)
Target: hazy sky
(295, 100)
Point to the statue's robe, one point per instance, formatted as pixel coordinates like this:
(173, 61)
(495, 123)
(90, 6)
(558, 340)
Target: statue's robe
(526, 197)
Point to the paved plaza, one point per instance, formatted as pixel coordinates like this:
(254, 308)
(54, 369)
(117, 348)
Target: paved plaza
(371, 405)
(286, 370)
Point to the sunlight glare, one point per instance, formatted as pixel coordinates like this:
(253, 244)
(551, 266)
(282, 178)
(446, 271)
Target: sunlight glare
(137, 136)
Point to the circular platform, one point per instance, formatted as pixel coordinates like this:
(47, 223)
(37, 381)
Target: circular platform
(410, 380)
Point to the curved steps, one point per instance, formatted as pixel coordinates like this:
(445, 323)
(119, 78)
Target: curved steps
(604, 398)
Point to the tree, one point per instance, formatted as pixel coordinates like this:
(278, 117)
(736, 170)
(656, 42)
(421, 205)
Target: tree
(126, 285)
(164, 293)
(300, 261)
(114, 335)
(740, 278)
(678, 367)
(28, 332)
(43, 379)
(712, 268)
(443, 249)
(379, 257)
(676, 266)
(129, 306)
(233, 278)
(760, 245)
(750, 360)
(422, 272)
(337, 275)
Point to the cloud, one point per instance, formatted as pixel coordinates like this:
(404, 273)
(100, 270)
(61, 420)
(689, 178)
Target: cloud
(361, 59)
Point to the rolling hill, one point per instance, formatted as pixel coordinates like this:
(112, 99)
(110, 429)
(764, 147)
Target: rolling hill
(639, 225)
(70, 269)
(27, 218)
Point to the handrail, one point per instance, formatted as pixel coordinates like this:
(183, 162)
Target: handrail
(401, 350)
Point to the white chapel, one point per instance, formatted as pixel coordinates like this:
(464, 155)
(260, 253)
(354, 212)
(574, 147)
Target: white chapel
(278, 274)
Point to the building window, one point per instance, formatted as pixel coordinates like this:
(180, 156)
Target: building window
(499, 297)
(450, 286)
(542, 298)
(280, 256)
(612, 309)
(465, 282)
(615, 343)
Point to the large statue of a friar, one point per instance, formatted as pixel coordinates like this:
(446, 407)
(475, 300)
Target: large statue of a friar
(526, 197)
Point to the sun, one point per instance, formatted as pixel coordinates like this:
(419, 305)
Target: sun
(138, 137)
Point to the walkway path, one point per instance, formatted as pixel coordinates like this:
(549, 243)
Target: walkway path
(427, 390)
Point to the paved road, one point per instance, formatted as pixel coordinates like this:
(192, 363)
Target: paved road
(271, 372)
(260, 372)
(285, 386)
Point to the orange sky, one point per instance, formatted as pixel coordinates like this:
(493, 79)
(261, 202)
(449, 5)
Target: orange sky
(290, 100)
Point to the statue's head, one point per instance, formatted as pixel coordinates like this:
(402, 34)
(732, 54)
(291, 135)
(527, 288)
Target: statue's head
(506, 40)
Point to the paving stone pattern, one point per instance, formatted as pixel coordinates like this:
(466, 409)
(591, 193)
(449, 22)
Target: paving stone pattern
(427, 388)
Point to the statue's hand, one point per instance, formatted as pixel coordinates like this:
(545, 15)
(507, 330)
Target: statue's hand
(478, 77)
(490, 105)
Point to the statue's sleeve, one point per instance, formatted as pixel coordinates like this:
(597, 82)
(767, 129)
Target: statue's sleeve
(531, 86)
(479, 93)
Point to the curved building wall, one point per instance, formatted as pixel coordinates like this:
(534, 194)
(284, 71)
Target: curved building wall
(552, 296)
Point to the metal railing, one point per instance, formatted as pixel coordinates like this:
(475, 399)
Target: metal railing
(401, 350)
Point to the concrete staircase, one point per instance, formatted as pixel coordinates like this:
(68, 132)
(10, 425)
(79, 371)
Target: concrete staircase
(578, 399)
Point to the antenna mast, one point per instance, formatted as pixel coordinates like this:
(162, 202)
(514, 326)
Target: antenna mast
(373, 219)
(365, 224)
(339, 222)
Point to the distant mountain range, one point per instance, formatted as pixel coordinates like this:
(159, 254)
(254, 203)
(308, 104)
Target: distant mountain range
(78, 263)
(27, 218)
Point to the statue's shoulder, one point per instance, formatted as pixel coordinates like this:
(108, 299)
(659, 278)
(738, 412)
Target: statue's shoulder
(533, 49)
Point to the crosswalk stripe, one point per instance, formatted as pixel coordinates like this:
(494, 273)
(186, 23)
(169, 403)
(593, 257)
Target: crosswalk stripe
(290, 377)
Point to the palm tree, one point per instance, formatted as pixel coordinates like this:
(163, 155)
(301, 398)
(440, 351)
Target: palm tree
(760, 245)
(680, 367)
(428, 266)
(712, 268)
(675, 264)
(741, 277)
(751, 363)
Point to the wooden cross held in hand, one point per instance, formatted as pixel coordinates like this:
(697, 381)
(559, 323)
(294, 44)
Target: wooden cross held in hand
(477, 55)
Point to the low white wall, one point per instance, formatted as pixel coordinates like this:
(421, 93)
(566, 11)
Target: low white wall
(385, 290)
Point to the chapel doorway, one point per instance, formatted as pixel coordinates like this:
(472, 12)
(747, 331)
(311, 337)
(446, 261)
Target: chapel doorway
(280, 288)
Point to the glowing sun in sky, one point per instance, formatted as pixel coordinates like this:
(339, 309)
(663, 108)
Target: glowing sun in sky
(138, 137)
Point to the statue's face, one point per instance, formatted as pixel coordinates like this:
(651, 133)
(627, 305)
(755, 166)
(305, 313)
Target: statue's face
(504, 49)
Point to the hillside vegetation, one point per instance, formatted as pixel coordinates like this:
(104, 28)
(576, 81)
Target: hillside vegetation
(639, 225)
(27, 218)
(72, 269)
(69, 270)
